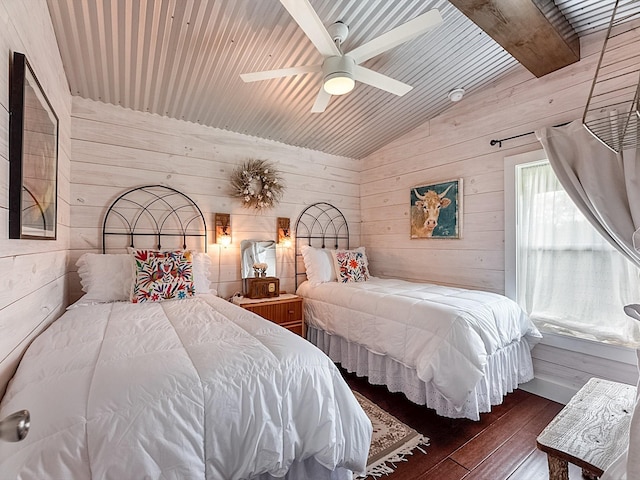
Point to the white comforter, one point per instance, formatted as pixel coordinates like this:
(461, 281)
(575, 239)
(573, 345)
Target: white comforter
(178, 390)
(445, 333)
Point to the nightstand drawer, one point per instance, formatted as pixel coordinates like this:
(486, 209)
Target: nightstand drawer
(295, 327)
(279, 311)
(285, 310)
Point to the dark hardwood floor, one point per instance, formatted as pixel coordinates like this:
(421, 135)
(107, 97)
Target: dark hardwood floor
(502, 445)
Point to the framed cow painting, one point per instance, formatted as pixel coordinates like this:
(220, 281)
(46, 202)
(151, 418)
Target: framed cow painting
(436, 210)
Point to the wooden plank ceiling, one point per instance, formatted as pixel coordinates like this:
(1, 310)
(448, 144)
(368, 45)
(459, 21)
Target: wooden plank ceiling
(183, 59)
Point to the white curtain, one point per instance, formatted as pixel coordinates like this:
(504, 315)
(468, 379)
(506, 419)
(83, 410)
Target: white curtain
(603, 185)
(606, 188)
(569, 279)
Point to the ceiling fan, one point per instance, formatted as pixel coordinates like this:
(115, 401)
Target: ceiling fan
(341, 70)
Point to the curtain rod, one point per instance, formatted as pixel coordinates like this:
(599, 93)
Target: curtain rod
(499, 142)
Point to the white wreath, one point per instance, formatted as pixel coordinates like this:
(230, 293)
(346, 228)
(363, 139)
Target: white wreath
(258, 184)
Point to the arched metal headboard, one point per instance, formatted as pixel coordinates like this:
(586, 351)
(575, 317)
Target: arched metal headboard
(320, 225)
(154, 211)
(35, 205)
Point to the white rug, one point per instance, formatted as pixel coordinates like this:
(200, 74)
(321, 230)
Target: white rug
(392, 440)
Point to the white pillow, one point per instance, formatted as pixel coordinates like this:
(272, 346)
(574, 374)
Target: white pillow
(201, 270)
(319, 265)
(109, 277)
(105, 277)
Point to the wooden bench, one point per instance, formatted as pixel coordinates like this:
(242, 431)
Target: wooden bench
(591, 431)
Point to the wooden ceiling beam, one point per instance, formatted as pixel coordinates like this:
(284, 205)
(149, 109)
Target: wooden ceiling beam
(534, 31)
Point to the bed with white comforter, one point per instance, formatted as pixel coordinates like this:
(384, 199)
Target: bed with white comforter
(182, 389)
(457, 351)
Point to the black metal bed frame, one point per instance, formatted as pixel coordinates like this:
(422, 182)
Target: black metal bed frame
(315, 225)
(36, 204)
(155, 204)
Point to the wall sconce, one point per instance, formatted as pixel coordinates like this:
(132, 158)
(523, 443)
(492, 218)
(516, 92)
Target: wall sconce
(15, 427)
(223, 229)
(284, 232)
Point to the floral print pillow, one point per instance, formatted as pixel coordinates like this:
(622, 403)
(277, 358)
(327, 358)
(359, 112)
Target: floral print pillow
(351, 265)
(162, 275)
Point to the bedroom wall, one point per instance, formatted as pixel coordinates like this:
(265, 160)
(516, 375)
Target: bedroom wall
(114, 149)
(456, 145)
(33, 280)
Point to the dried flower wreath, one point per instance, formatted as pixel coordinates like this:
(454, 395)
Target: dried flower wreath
(258, 184)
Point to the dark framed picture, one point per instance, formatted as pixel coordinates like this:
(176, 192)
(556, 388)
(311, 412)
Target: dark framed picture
(33, 156)
(436, 210)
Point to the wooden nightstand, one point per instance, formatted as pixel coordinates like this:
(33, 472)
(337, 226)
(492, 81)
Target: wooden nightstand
(285, 310)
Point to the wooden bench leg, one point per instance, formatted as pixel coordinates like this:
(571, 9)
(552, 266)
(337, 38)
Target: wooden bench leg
(558, 468)
(588, 475)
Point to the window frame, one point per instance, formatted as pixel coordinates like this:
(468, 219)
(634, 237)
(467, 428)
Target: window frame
(511, 164)
(571, 358)
(595, 348)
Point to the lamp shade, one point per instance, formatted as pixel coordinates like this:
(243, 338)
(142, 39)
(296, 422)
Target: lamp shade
(224, 239)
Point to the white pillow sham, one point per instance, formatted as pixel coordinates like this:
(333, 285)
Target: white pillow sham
(105, 277)
(109, 277)
(319, 265)
(201, 270)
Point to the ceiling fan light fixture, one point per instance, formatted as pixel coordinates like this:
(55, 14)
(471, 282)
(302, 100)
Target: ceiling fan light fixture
(338, 75)
(338, 83)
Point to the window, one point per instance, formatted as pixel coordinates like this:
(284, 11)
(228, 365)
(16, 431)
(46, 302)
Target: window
(558, 268)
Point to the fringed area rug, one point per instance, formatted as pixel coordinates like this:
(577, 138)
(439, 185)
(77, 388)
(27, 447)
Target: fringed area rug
(392, 440)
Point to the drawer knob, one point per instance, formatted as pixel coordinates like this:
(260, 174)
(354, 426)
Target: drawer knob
(290, 311)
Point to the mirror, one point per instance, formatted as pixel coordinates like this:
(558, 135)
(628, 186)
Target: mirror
(33, 156)
(257, 251)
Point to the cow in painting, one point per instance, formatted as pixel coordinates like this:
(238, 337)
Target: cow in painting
(425, 213)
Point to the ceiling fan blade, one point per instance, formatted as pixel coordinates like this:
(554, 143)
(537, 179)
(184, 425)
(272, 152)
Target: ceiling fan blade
(305, 16)
(396, 36)
(380, 81)
(282, 72)
(322, 101)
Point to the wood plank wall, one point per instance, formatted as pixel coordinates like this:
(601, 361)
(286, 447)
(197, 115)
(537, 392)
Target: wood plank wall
(456, 145)
(114, 149)
(33, 280)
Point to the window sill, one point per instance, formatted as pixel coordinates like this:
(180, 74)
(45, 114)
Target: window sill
(594, 348)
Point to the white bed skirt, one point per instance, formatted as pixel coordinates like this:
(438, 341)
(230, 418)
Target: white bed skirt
(505, 370)
(310, 468)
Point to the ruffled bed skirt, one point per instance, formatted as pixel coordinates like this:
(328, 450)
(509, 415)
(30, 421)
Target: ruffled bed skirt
(310, 468)
(504, 371)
